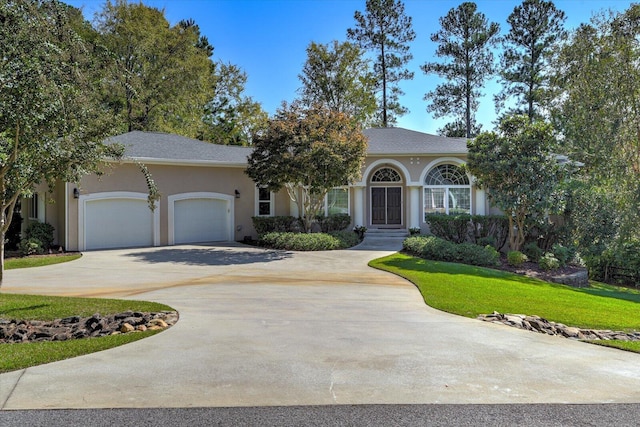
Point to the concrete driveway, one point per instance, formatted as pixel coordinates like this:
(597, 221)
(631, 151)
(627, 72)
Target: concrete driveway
(260, 327)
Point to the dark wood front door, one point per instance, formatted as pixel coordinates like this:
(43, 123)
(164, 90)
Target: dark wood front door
(386, 205)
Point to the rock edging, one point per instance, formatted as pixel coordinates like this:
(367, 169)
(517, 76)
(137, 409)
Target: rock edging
(538, 324)
(76, 327)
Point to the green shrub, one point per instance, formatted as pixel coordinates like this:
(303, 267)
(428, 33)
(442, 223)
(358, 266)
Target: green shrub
(487, 240)
(30, 246)
(624, 255)
(347, 239)
(516, 258)
(562, 253)
(549, 262)
(41, 231)
(414, 231)
(532, 251)
(434, 248)
(454, 228)
(269, 224)
(335, 222)
(490, 230)
(308, 241)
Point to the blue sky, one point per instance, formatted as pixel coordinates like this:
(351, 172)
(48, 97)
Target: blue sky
(268, 40)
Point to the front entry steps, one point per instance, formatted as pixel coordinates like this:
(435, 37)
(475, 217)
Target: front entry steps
(380, 239)
(387, 232)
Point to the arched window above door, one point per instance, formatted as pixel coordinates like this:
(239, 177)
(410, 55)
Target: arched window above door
(386, 175)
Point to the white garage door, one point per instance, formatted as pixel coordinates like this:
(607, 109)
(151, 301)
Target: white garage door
(201, 220)
(117, 223)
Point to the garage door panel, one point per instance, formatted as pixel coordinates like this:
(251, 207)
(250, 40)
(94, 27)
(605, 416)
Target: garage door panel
(118, 223)
(201, 220)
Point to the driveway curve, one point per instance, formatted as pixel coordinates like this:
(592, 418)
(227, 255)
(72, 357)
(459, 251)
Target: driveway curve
(260, 327)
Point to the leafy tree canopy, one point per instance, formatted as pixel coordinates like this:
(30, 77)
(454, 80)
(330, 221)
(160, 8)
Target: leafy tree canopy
(231, 117)
(599, 116)
(159, 77)
(51, 122)
(517, 168)
(337, 77)
(308, 151)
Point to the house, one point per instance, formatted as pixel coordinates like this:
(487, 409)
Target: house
(206, 196)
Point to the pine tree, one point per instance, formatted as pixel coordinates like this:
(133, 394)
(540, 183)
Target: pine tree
(466, 39)
(386, 30)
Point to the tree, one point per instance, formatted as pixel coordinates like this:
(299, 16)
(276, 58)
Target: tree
(308, 152)
(385, 30)
(536, 28)
(51, 124)
(231, 118)
(467, 39)
(518, 170)
(599, 116)
(160, 77)
(337, 77)
(458, 129)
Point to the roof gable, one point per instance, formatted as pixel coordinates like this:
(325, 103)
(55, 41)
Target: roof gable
(387, 141)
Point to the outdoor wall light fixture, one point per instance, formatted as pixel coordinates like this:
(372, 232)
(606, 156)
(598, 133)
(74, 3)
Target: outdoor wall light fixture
(76, 193)
(237, 194)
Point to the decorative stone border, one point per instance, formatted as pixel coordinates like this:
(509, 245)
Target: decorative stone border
(538, 324)
(75, 327)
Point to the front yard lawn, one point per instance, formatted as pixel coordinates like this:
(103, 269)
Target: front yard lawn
(469, 291)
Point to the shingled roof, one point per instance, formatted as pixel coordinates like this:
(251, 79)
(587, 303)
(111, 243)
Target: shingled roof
(389, 141)
(169, 148)
(157, 147)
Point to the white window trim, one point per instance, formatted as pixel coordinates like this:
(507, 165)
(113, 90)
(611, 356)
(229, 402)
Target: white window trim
(423, 177)
(272, 203)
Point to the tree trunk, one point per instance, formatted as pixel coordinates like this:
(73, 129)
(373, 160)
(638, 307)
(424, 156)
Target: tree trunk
(2, 235)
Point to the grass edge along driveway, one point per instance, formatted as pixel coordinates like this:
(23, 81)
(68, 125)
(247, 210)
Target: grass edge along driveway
(15, 356)
(470, 291)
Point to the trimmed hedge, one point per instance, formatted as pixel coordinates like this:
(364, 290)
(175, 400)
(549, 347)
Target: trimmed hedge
(437, 249)
(335, 222)
(478, 229)
(309, 241)
(269, 224)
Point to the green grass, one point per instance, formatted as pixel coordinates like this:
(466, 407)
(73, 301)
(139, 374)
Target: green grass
(28, 262)
(470, 291)
(37, 307)
(24, 355)
(33, 307)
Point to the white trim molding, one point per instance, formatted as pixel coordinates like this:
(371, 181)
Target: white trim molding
(381, 163)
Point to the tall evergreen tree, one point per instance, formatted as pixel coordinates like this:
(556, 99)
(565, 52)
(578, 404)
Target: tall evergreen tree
(536, 28)
(386, 30)
(338, 77)
(466, 39)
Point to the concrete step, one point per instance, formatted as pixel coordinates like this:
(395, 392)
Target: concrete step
(387, 233)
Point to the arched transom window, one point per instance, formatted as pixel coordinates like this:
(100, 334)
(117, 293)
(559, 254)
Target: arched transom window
(386, 175)
(447, 190)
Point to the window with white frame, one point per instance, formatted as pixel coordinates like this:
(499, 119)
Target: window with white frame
(33, 206)
(264, 202)
(337, 201)
(447, 190)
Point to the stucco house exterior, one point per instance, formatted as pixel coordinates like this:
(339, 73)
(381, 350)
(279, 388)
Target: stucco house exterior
(207, 197)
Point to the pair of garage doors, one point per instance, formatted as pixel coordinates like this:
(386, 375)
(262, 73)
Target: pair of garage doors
(122, 220)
